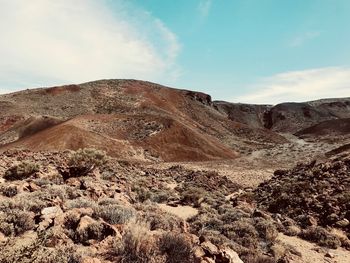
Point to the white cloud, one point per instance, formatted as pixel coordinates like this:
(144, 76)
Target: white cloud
(204, 7)
(45, 42)
(297, 86)
(303, 38)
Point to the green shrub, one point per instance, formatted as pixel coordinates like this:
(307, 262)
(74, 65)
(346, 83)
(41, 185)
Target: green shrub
(21, 171)
(85, 161)
(80, 202)
(114, 214)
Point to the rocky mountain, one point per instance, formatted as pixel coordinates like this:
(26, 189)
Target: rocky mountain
(138, 120)
(126, 118)
(287, 117)
(181, 178)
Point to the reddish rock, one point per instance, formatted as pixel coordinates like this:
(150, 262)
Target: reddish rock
(210, 248)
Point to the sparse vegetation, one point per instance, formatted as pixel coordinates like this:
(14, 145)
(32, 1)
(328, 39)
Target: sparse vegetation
(123, 217)
(15, 222)
(9, 191)
(138, 245)
(21, 171)
(114, 214)
(85, 161)
(321, 236)
(177, 247)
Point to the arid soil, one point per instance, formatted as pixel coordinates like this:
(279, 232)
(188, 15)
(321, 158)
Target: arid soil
(54, 209)
(132, 171)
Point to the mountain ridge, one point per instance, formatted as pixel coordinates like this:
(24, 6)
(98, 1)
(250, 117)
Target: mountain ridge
(152, 121)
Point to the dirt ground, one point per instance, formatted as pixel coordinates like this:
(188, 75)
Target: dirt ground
(311, 253)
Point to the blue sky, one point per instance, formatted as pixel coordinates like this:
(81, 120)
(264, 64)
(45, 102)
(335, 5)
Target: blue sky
(257, 51)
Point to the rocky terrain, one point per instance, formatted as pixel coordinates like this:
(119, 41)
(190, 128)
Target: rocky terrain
(132, 171)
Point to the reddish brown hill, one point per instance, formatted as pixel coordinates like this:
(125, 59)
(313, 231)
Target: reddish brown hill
(127, 118)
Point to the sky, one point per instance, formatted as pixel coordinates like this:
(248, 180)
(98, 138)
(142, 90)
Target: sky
(249, 51)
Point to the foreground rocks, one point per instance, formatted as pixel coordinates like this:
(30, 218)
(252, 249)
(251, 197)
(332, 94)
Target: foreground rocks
(315, 195)
(115, 213)
(108, 214)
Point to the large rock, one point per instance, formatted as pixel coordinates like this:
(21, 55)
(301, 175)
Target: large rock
(198, 252)
(84, 223)
(48, 214)
(51, 212)
(229, 256)
(210, 248)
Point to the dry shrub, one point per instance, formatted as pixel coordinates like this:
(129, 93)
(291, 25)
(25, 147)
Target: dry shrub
(193, 196)
(80, 202)
(95, 231)
(16, 222)
(33, 202)
(250, 257)
(321, 236)
(139, 246)
(114, 214)
(9, 191)
(36, 252)
(144, 193)
(177, 247)
(157, 218)
(21, 171)
(266, 230)
(206, 221)
(278, 251)
(341, 235)
(233, 214)
(244, 233)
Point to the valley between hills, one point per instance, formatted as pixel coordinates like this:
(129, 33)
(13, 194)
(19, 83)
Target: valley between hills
(133, 171)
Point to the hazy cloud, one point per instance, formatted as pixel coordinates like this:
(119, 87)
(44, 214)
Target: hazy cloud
(303, 85)
(303, 38)
(46, 42)
(204, 7)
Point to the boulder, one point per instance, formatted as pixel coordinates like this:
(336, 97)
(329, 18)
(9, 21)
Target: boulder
(198, 252)
(47, 216)
(229, 256)
(51, 212)
(85, 221)
(210, 248)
